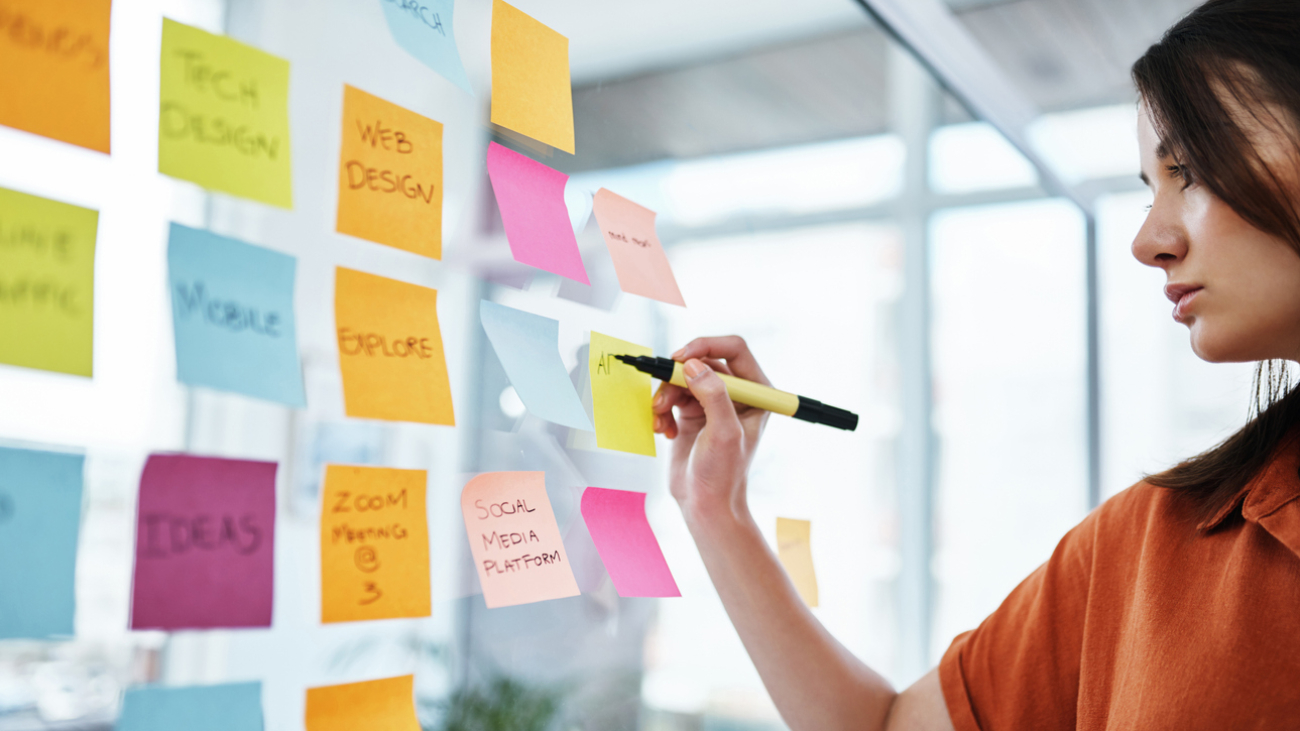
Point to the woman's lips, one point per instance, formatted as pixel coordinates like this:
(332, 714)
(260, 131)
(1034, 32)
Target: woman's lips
(1182, 295)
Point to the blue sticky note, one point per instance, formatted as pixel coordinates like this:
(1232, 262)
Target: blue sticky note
(40, 515)
(232, 309)
(528, 347)
(423, 28)
(233, 707)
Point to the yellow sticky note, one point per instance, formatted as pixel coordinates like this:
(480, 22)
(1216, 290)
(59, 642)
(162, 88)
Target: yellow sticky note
(390, 349)
(620, 397)
(531, 90)
(223, 119)
(55, 56)
(794, 547)
(374, 544)
(390, 175)
(47, 283)
(387, 704)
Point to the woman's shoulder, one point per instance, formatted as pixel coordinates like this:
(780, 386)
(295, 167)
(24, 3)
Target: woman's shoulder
(1135, 514)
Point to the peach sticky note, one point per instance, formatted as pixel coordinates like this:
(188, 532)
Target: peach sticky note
(531, 92)
(47, 283)
(517, 547)
(223, 119)
(374, 705)
(390, 349)
(618, 526)
(530, 196)
(390, 175)
(55, 56)
(620, 397)
(794, 548)
(374, 544)
(639, 258)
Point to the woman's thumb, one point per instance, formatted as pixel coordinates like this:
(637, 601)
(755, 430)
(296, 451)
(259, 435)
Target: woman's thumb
(711, 392)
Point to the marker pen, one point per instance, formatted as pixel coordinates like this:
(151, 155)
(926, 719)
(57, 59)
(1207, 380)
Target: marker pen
(750, 393)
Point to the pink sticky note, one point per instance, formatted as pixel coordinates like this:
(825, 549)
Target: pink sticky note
(618, 526)
(531, 198)
(518, 550)
(205, 543)
(639, 258)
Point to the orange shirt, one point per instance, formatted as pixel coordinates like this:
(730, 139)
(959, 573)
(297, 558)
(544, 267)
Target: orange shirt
(1144, 619)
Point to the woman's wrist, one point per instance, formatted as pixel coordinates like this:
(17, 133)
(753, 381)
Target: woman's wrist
(716, 514)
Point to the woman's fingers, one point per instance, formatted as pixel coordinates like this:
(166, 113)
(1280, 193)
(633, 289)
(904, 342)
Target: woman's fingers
(712, 396)
(732, 349)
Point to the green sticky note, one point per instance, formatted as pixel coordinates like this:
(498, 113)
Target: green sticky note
(223, 119)
(47, 283)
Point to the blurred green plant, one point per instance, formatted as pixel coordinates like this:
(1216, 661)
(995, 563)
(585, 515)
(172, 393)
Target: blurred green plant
(504, 704)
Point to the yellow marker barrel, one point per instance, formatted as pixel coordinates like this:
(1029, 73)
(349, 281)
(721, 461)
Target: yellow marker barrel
(749, 393)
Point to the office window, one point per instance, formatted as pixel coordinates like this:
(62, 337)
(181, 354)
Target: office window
(1009, 376)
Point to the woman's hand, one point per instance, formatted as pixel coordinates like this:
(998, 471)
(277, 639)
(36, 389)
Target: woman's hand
(713, 438)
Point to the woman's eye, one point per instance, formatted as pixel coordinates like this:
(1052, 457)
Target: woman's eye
(1182, 173)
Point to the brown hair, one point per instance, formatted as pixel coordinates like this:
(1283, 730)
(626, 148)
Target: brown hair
(1225, 58)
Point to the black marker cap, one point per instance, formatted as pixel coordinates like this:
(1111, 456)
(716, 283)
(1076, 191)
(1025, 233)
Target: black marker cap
(819, 413)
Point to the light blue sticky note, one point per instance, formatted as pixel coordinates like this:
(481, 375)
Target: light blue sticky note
(233, 707)
(232, 309)
(424, 29)
(528, 347)
(40, 516)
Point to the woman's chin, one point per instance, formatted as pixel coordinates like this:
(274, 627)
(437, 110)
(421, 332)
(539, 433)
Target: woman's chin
(1213, 345)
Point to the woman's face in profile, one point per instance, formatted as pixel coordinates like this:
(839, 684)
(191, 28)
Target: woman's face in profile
(1236, 288)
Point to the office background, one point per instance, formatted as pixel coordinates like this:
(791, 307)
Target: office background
(819, 190)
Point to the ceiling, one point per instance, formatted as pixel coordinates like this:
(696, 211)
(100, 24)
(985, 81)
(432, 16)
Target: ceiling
(690, 78)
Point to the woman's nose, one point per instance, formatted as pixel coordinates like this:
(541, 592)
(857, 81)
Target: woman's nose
(1161, 241)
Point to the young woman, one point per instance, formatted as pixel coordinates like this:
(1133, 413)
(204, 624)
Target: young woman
(1176, 604)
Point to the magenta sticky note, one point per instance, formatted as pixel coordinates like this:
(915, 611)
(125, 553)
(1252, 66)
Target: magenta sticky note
(204, 543)
(618, 526)
(531, 198)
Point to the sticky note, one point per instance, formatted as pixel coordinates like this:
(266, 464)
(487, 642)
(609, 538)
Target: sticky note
(531, 199)
(639, 258)
(424, 29)
(390, 349)
(390, 175)
(40, 515)
(531, 92)
(528, 347)
(620, 397)
(47, 283)
(618, 526)
(204, 543)
(374, 544)
(374, 705)
(232, 312)
(223, 119)
(56, 60)
(518, 551)
(794, 548)
(232, 707)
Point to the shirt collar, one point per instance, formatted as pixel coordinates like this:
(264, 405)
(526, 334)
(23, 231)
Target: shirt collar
(1276, 485)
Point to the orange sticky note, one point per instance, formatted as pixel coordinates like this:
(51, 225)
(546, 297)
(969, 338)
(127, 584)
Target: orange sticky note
(374, 544)
(55, 61)
(517, 547)
(531, 90)
(374, 705)
(390, 175)
(639, 259)
(390, 349)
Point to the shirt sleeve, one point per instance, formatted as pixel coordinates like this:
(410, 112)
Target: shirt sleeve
(1020, 668)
